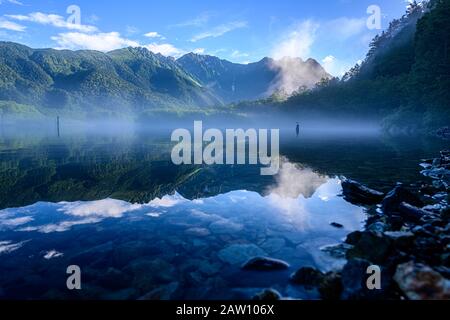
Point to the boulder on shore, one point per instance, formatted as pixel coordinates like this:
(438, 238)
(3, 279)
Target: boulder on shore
(331, 286)
(420, 282)
(412, 213)
(307, 276)
(371, 246)
(356, 193)
(400, 194)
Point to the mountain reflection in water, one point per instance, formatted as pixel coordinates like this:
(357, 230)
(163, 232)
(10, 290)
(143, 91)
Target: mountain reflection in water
(174, 246)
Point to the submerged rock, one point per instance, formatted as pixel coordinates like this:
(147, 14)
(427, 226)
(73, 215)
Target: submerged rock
(239, 253)
(209, 269)
(268, 295)
(225, 226)
(420, 282)
(307, 276)
(265, 264)
(354, 192)
(163, 293)
(274, 245)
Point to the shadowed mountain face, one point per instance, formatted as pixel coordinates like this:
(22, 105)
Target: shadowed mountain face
(134, 81)
(236, 82)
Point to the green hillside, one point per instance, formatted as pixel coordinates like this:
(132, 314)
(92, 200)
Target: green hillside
(404, 80)
(126, 81)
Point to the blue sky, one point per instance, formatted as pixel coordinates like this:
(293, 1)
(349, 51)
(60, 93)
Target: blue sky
(334, 32)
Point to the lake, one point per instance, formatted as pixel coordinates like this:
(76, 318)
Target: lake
(111, 202)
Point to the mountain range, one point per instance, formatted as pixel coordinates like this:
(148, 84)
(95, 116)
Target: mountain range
(136, 80)
(234, 82)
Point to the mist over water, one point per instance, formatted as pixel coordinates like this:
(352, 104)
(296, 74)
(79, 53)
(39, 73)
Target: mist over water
(105, 193)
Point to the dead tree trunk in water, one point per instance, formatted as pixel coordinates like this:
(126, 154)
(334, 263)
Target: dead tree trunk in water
(57, 125)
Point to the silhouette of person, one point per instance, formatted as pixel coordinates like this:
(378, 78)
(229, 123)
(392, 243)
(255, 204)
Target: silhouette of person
(298, 129)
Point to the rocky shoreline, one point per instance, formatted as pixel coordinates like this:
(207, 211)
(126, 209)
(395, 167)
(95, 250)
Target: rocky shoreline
(406, 236)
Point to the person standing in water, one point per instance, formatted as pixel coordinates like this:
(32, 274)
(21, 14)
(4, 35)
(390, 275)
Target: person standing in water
(297, 129)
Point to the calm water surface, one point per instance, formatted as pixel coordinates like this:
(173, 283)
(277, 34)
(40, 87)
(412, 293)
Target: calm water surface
(140, 227)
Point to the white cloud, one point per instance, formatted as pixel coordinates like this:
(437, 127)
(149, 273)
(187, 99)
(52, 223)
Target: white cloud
(93, 19)
(220, 30)
(166, 49)
(53, 20)
(13, 2)
(131, 30)
(153, 34)
(329, 63)
(238, 54)
(335, 66)
(109, 41)
(329, 59)
(199, 21)
(297, 42)
(344, 27)
(199, 51)
(12, 26)
(99, 41)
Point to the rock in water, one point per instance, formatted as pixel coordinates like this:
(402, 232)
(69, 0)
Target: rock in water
(420, 282)
(163, 293)
(394, 198)
(307, 276)
(357, 193)
(239, 253)
(265, 264)
(268, 295)
(336, 225)
(225, 226)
